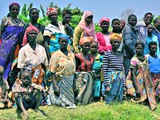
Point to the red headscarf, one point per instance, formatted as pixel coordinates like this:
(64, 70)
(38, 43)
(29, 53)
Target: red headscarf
(85, 39)
(30, 28)
(51, 10)
(103, 19)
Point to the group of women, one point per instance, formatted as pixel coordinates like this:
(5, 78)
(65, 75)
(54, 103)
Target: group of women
(81, 69)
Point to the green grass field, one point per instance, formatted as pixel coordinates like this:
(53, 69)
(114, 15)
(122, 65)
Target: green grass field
(94, 111)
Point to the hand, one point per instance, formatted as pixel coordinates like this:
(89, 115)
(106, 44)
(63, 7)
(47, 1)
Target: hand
(26, 115)
(107, 88)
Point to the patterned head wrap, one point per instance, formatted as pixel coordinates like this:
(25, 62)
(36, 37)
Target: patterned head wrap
(30, 28)
(103, 19)
(85, 40)
(51, 10)
(115, 36)
(65, 37)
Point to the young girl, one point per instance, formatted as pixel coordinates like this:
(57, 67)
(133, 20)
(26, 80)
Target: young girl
(139, 81)
(113, 71)
(97, 68)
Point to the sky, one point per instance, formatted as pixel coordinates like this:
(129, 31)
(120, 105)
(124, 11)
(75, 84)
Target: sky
(100, 8)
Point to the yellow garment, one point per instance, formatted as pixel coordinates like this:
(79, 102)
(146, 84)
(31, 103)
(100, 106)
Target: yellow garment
(60, 64)
(78, 33)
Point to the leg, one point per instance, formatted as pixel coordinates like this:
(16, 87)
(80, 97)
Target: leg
(126, 65)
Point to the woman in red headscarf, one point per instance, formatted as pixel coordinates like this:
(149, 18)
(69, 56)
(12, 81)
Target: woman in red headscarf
(33, 56)
(85, 28)
(103, 37)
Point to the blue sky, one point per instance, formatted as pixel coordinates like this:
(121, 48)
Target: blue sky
(100, 8)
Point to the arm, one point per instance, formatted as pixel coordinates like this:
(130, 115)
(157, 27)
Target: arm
(21, 58)
(46, 46)
(76, 38)
(128, 40)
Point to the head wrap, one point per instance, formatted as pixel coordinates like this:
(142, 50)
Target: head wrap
(30, 28)
(103, 19)
(88, 29)
(14, 3)
(85, 39)
(51, 10)
(65, 37)
(115, 36)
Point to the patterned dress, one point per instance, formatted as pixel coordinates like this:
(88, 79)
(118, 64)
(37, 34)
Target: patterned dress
(143, 81)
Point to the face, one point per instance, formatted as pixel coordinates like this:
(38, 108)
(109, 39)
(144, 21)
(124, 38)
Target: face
(63, 43)
(153, 49)
(53, 17)
(150, 28)
(122, 24)
(32, 35)
(105, 25)
(67, 18)
(139, 50)
(148, 19)
(116, 25)
(86, 47)
(115, 44)
(26, 78)
(94, 47)
(133, 21)
(14, 10)
(89, 20)
(34, 15)
(157, 25)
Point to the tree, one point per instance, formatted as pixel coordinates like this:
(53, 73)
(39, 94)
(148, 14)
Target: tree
(124, 14)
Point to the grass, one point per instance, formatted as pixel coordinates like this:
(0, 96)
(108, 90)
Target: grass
(94, 111)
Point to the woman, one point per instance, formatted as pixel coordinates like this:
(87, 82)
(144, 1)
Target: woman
(84, 79)
(154, 67)
(113, 72)
(12, 30)
(62, 67)
(52, 31)
(33, 56)
(103, 37)
(139, 82)
(85, 28)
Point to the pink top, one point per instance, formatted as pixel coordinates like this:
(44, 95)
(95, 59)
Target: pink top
(104, 42)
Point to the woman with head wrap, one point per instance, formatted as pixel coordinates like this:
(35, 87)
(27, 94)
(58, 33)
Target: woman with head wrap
(11, 31)
(52, 30)
(85, 28)
(103, 37)
(113, 72)
(84, 79)
(33, 56)
(62, 67)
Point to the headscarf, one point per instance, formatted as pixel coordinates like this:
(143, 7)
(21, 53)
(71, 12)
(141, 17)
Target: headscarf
(103, 19)
(115, 36)
(85, 39)
(51, 10)
(14, 3)
(30, 28)
(88, 29)
(64, 36)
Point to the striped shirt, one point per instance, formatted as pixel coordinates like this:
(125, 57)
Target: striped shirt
(111, 62)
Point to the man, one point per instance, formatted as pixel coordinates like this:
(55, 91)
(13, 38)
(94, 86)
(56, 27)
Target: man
(142, 27)
(34, 15)
(156, 32)
(66, 16)
(122, 24)
(129, 40)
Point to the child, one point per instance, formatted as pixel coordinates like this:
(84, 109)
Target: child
(4, 87)
(97, 68)
(27, 94)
